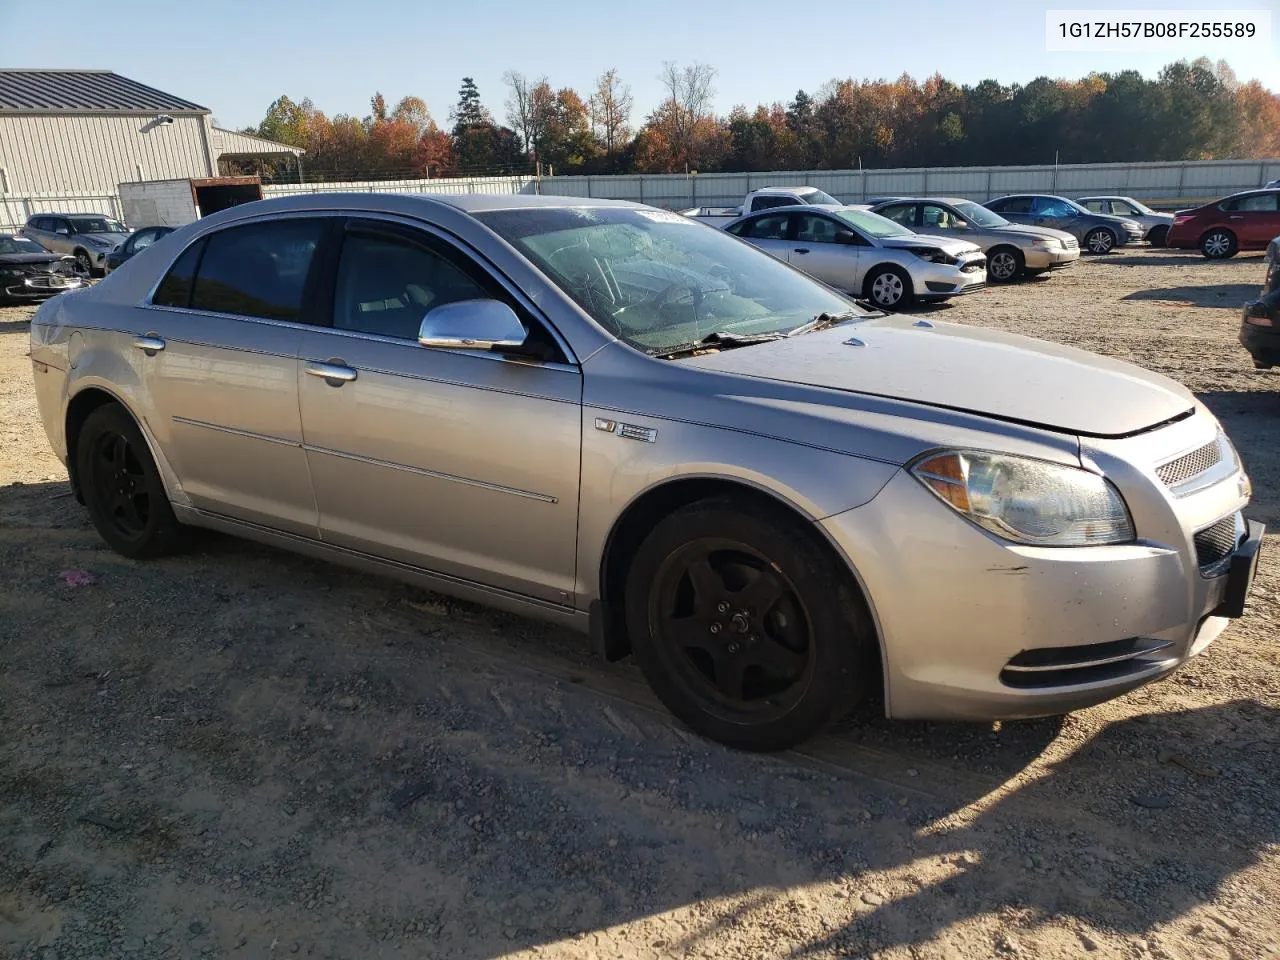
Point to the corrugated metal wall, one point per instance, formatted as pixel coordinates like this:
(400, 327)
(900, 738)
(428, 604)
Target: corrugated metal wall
(87, 155)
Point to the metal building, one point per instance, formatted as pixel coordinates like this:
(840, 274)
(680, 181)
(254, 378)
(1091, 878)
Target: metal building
(83, 132)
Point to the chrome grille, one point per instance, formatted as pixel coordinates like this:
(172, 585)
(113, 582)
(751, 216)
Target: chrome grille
(1190, 465)
(1215, 543)
(1071, 243)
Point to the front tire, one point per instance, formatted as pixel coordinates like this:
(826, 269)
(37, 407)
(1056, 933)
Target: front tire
(1158, 237)
(122, 488)
(85, 261)
(1219, 245)
(1005, 265)
(889, 288)
(1100, 241)
(746, 628)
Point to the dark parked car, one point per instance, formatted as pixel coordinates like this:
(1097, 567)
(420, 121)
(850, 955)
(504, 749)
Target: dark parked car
(29, 272)
(1260, 331)
(140, 240)
(1096, 232)
(1242, 221)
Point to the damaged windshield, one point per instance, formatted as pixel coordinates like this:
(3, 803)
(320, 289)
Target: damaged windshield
(660, 281)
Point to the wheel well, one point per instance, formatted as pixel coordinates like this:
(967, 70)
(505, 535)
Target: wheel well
(881, 268)
(82, 404)
(610, 633)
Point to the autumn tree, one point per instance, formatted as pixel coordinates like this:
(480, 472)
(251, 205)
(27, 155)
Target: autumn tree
(528, 106)
(610, 111)
(687, 106)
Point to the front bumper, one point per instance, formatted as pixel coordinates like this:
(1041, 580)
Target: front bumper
(1049, 258)
(939, 281)
(972, 627)
(39, 287)
(1263, 343)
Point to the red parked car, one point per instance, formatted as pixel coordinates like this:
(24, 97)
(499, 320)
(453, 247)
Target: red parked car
(1242, 221)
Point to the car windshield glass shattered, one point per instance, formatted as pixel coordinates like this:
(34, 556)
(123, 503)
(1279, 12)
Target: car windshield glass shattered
(19, 245)
(981, 215)
(98, 225)
(660, 281)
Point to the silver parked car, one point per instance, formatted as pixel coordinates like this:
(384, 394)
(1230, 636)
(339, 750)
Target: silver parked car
(866, 255)
(88, 237)
(1155, 224)
(1012, 250)
(1096, 232)
(643, 428)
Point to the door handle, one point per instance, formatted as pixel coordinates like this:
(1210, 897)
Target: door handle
(800, 250)
(151, 345)
(1235, 216)
(336, 374)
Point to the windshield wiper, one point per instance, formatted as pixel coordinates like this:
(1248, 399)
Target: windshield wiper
(720, 339)
(824, 320)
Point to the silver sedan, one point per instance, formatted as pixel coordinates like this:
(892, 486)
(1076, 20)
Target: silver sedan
(867, 255)
(640, 427)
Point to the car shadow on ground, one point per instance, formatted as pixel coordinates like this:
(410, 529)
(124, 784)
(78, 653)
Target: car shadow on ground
(499, 787)
(1231, 296)
(1169, 259)
(15, 326)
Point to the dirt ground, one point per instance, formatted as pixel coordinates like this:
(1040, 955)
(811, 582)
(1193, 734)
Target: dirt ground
(237, 752)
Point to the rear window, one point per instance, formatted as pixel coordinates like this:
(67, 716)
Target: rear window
(175, 288)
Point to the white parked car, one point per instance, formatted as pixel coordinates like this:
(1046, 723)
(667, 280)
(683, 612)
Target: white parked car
(867, 255)
(766, 198)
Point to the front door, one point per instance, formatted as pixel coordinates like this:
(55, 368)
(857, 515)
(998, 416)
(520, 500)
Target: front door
(219, 355)
(816, 251)
(460, 462)
(769, 232)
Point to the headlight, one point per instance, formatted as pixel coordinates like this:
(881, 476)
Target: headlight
(1028, 501)
(933, 255)
(1046, 242)
(1132, 227)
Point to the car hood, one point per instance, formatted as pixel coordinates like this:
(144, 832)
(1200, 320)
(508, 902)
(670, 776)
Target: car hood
(949, 244)
(11, 259)
(1000, 375)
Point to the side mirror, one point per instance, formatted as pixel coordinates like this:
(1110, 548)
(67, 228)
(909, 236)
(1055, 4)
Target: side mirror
(846, 237)
(472, 325)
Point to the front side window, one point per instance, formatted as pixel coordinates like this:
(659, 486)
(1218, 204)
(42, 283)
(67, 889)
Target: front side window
(661, 282)
(175, 288)
(258, 270)
(768, 203)
(387, 284)
(903, 213)
(980, 214)
(936, 217)
(1053, 207)
(143, 240)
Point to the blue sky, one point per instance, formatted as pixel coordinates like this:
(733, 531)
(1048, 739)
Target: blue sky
(235, 56)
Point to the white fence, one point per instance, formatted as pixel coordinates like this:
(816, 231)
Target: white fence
(1164, 183)
(14, 211)
(1190, 180)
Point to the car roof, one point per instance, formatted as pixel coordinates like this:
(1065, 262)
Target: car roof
(783, 191)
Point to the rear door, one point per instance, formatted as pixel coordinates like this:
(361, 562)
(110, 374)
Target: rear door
(769, 232)
(1014, 209)
(219, 354)
(907, 214)
(461, 462)
(1255, 219)
(816, 251)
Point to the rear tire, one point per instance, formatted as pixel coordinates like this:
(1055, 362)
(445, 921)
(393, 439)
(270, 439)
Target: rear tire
(1219, 244)
(1005, 264)
(1100, 241)
(745, 626)
(122, 488)
(889, 288)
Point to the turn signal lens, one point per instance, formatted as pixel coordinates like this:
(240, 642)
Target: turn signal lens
(1028, 501)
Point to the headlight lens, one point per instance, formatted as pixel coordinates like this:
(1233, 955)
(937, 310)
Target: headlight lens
(1028, 501)
(1133, 227)
(1046, 242)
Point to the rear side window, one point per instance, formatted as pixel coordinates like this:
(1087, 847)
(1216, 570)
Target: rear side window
(1257, 203)
(175, 288)
(258, 270)
(772, 227)
(903, 213)
(1012, 205)
(1097, 206)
